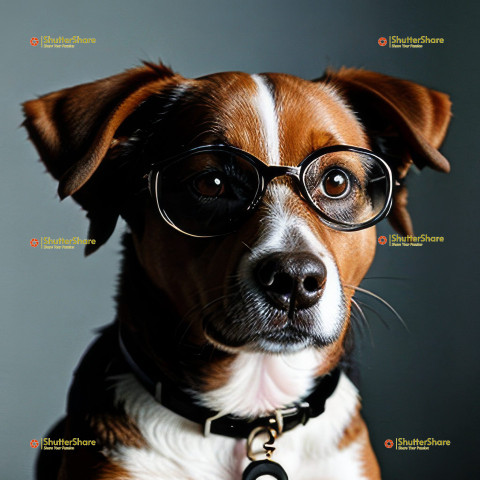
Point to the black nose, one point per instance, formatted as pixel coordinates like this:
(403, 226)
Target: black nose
(291, 281)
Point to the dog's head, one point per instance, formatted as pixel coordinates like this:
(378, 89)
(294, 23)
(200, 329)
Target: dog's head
(302, 236)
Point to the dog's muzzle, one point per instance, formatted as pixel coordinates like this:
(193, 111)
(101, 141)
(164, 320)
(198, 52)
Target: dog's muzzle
(278, 307)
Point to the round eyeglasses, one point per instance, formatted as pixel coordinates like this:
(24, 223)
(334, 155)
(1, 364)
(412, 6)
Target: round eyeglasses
(210, 190)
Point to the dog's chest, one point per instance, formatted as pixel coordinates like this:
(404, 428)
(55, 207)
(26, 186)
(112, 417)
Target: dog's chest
(175, 448)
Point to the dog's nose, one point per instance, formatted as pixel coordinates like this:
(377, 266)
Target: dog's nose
(291, 281)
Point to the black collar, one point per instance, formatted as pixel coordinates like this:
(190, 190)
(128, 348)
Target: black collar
(180, 402)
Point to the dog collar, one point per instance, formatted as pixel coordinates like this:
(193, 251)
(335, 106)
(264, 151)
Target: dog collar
(183, 404)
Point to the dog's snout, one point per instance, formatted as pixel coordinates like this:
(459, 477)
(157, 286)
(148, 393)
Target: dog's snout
(291, 281)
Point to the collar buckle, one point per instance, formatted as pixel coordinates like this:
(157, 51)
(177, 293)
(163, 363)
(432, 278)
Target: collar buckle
(282, 420)
(288, 418)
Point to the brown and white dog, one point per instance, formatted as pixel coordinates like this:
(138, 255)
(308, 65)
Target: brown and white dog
(238, 317)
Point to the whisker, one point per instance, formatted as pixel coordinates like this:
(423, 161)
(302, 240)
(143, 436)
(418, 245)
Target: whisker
(364, 320)
(381, 300)
(198, 306)
(248, 248)
(201, 309)
(400, 279)
(377, 314)
(360, 311)
(189, 317)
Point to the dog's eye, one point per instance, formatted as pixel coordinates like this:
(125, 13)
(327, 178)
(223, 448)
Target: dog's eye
(210, 184)
(335, 183)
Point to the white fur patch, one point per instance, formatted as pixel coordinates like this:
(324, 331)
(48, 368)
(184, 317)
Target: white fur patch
(177, 449)
(273, 382)
(265, 105)
(285, 231)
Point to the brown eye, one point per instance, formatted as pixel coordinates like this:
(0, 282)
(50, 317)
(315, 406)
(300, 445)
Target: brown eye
(210, 184)
(335, 183)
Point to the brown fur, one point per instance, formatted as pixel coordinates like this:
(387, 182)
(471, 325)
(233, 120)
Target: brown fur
(83, 135)
(357, 432)
(85, 465)
(112, 429)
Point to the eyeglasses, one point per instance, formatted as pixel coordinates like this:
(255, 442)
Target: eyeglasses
(210, 190)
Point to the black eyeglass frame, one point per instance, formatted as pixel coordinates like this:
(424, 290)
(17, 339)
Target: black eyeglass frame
(267, 173)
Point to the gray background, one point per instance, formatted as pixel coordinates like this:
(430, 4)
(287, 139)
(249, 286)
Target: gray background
(418, 384)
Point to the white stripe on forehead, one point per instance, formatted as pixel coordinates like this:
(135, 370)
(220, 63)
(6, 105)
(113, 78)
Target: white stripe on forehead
(265, 104)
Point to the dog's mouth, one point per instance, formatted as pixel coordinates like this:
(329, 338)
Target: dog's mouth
(233, 335)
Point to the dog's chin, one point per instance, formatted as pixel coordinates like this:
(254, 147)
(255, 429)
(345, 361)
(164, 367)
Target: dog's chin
(273, 346)
(284, 341)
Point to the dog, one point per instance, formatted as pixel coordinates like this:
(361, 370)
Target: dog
(250, 202)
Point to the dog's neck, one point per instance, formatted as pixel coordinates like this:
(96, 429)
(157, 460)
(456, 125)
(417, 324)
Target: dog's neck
(246, 384)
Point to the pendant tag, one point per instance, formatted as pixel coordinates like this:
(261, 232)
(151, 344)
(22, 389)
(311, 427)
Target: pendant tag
(259, 468)
(264, 467)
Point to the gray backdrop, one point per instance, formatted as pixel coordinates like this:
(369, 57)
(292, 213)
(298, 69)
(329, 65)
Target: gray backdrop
(418, 384)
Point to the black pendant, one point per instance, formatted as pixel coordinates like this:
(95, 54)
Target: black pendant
(264, 467)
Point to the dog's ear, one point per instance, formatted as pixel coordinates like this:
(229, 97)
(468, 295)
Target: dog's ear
(74, 129)
(406, 124)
